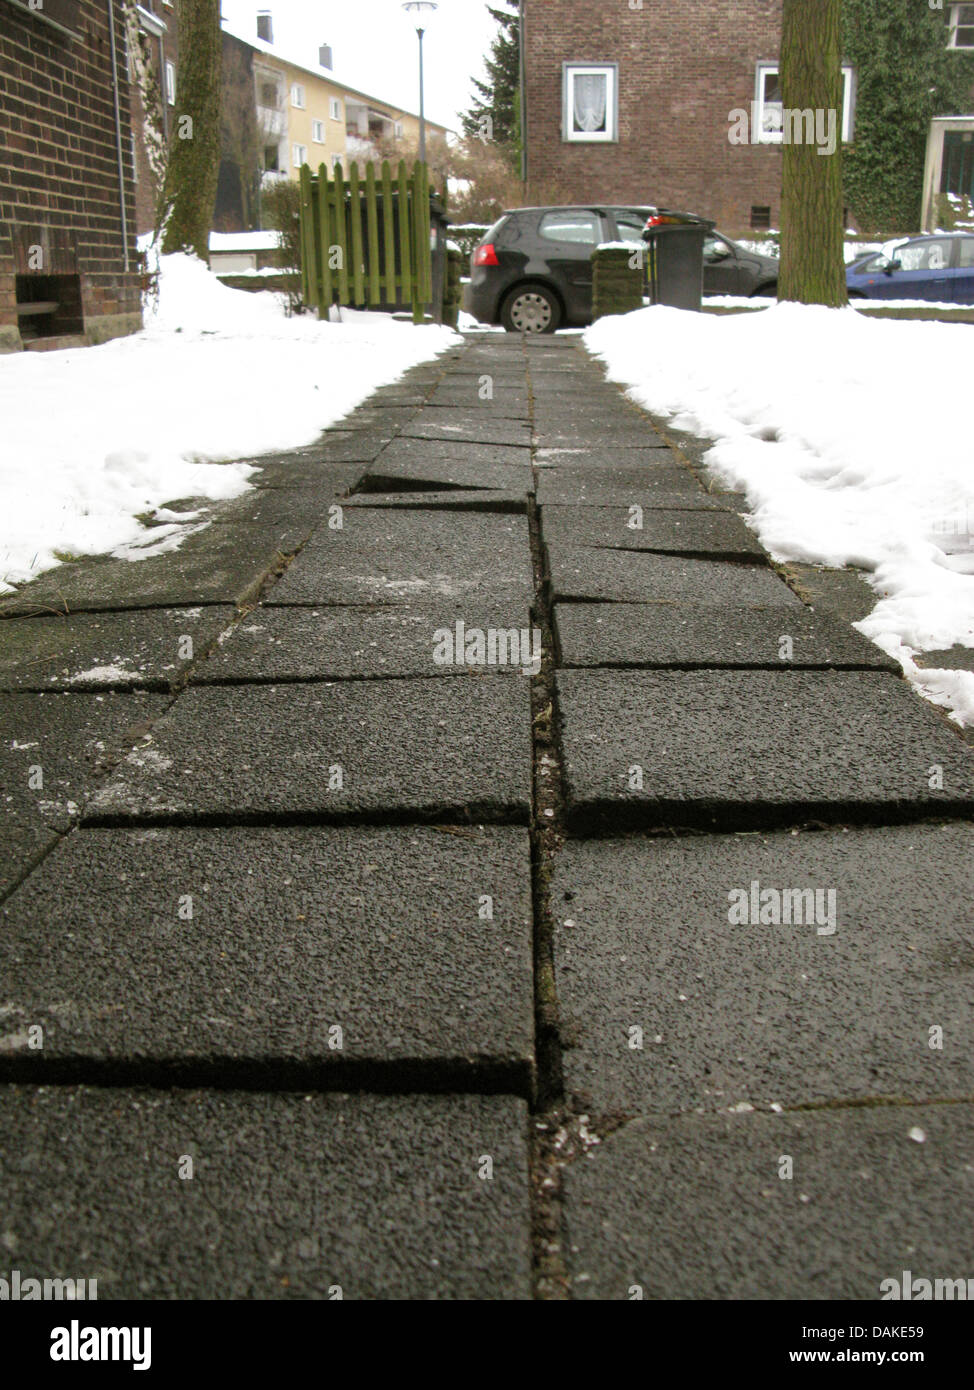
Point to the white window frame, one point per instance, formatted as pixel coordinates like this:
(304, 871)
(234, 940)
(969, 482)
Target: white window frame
(955, 25)
(317, 132)
(397, 130)
(170, 83)
(775, 137)
(569, 71)
(299, 155)
(298, 98)
(335, 108)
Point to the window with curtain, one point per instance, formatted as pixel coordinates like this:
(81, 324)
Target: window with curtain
(590, 102)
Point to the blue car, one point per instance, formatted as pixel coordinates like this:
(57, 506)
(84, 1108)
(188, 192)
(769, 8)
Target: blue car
(938, 268)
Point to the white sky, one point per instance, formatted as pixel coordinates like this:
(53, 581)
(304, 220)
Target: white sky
(375, 46)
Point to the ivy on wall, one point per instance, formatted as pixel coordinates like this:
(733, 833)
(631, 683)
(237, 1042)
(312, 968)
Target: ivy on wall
(905, 76)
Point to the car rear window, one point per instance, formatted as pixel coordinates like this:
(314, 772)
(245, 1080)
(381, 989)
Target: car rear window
(572, 225)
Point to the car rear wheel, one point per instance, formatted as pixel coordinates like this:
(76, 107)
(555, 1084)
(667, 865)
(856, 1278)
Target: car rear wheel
(530, 309)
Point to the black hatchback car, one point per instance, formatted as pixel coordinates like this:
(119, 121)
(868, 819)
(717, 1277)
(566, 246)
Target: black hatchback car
(532, 272)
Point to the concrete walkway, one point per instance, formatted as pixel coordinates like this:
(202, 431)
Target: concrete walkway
(329, 966)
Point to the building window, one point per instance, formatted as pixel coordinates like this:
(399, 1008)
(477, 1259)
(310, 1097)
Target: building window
(769, 104)
(760, 219)
(299, 155)
(961, 26)
(170, 83)
(590, 94)
(336, 108)
(272, 159)
(397, 130)
(270, 95)
(297, 95)
(318, 132)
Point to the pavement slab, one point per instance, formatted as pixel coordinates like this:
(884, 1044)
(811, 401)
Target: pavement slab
(458, 428)
(231, 956)
(631, 576)
(717, 535)
(668, 487)
(215, 564)
(300, 644)
(426, 749)
(740, 749)
(830, 1000)
(581, 459)
(468, 395)
(405, 450)
(305, 469)
(695, 1208)
(107, 651)
(51, 748)
(385, 556)
(292, 1196)
(846, 593)
(701, 635)
(457, 499)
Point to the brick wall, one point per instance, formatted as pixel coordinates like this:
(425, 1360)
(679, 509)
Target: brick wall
(683, 66)
(59, 183)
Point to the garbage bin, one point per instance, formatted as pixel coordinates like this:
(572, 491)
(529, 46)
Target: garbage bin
(675, 241)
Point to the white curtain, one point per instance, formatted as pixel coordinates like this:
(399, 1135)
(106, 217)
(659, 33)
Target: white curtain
(590, 96)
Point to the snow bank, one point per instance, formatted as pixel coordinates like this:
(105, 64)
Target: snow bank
(848, 435)
(92, 437)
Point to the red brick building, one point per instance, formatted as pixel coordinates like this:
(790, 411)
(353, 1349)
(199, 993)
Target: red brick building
(68, 261)
(630, 100)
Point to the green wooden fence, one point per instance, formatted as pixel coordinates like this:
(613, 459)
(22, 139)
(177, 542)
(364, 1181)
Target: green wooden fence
(366, 241)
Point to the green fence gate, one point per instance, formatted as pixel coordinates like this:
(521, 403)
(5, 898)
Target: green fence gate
(366, 241)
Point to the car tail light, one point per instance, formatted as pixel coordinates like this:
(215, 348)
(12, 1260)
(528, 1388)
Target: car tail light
(485, 255)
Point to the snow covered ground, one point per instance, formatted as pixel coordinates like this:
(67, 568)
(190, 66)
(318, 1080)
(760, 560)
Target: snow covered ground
(850, 437)
(93, 437)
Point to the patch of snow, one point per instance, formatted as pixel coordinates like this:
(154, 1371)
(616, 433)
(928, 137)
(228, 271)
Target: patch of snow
(833, 425)
(215, 377)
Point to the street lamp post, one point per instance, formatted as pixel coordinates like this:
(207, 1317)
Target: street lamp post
(421, 10)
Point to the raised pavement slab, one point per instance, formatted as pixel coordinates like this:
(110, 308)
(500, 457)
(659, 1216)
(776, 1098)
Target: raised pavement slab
(701, 635)
(579, 573)
(325, 956)
(291, 1196)
(357, 749)
(739, 749)
(675, 995)
(696, 1208)
(716, 535)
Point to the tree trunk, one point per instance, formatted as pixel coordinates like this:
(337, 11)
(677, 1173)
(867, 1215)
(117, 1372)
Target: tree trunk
(812, 264)
(189, 196)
